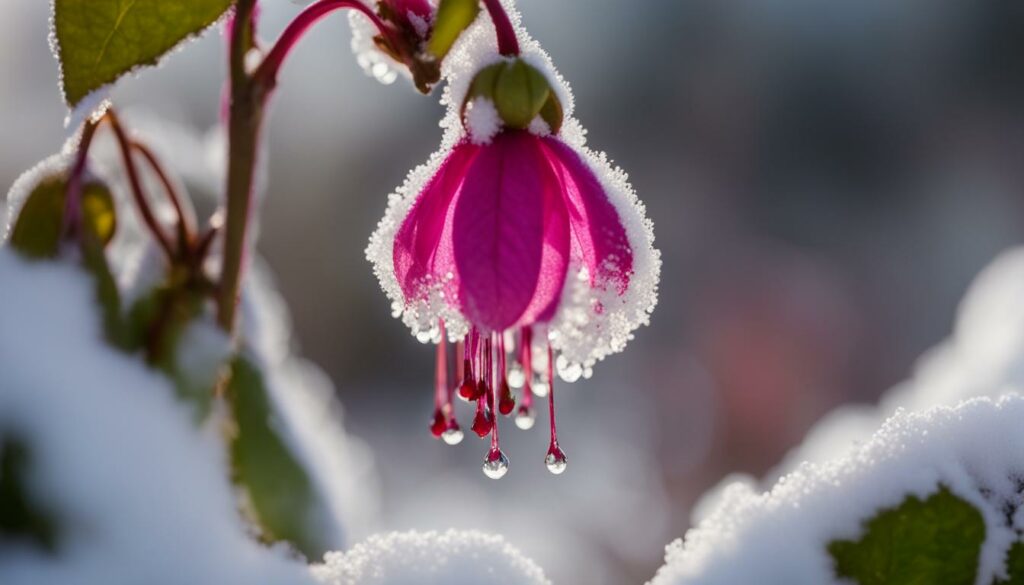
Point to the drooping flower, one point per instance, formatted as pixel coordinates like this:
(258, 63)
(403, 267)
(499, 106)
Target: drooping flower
(515, 242)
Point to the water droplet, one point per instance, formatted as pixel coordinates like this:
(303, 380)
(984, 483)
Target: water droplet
(423, 336)
(516, 376)
(453, 434)
(540, 388)
(568, 371)
(525, 418)
(495, 464)
(556, 461)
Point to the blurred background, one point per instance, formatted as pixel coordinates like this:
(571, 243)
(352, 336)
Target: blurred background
(825, 179)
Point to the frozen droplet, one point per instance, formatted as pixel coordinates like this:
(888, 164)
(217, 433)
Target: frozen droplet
(568, 371)
(556, 461)
(453, 434)
(423, 336)
(495, 464)
(525, 418)
(516, 376)
(540, 388)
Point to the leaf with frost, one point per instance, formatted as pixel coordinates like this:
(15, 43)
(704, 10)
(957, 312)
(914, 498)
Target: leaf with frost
(281, 497)
(1014, 566)
(935, 541)
(98, 41)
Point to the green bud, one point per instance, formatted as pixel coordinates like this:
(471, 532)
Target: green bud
(520, 94)
(453, 17)
(39, 228)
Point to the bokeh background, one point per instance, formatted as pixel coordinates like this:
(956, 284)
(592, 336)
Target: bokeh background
(825, 179)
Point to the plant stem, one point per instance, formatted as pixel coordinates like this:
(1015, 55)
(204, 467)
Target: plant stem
(508, 44)
(73, 196)
(268, 70)
(244, 121)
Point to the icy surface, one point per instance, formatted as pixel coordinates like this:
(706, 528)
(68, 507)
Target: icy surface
(975, 449)
(431, 558)
(579, 331)
(141, 495)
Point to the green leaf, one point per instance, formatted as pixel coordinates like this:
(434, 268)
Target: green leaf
(1014, 566)
(20, 517)
(40, 224)
(281, 496)
(453, 16)
(101, 40)
(932, 542)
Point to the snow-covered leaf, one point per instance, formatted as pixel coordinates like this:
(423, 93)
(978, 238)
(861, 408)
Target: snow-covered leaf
(1014, 566)
(281, 497)
(101, 40)
(936, 540)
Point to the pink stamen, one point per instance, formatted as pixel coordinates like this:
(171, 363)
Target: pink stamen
(493, 375)
(551, 398)
(526, 359)
(506, 402)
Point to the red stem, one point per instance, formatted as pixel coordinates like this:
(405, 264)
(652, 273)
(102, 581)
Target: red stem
(136, 185)
(441, 400)
(268, 70)
(551, 395)
(186, 219)
(508, 44)
(73, 195)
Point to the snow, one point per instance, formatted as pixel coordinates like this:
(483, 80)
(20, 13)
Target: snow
(340, 466)
(140, 494)
(483, 120)
(975, 449)
(578, 332)
(955, 422)
(431, 558)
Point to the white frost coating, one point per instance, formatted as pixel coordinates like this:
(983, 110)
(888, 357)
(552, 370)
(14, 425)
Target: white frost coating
(579, 332)
(483, 120)
(340, 466)
(431, 558)
(139, 494)
(975, 449)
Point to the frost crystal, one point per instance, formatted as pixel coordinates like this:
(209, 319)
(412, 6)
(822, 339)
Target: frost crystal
(431, 558)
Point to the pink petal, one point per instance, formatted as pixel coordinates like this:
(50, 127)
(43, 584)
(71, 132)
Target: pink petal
(554, 264)
(598, 236)
(421, 246)
(499, 231)
(402, 8)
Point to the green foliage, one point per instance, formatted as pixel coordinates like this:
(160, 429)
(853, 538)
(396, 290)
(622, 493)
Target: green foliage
(932, 542)
(1014, 566)
(20, 518)
(40, 225)
(101, 40)
(453, 17)
(282, 500)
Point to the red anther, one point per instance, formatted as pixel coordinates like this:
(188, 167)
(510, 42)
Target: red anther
(506, 402)
(438, 426)
(483, 423)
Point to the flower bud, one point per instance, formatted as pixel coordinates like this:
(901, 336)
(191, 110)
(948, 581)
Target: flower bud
(40, 225)
(519, 92)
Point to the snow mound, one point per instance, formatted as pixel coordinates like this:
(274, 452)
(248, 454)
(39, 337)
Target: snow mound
(975, 449)
(431, 558)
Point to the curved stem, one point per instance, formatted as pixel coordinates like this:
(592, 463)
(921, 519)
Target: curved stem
(186, 219)
(508, 44)
(136, 185)
(268, 70)
(73, 195)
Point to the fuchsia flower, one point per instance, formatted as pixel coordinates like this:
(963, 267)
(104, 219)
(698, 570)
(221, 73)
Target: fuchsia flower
(518, 244)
